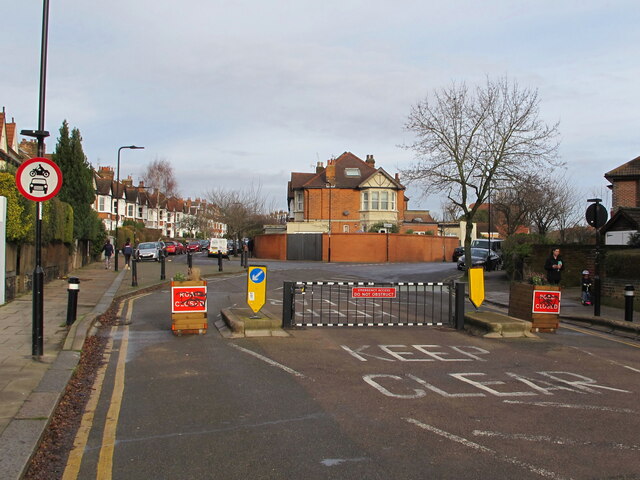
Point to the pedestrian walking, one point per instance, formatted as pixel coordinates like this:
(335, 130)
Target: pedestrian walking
(108, 252)
(127, 251)
(553, 265)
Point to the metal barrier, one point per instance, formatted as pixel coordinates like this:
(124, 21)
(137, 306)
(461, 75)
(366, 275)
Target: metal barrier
(367, 304)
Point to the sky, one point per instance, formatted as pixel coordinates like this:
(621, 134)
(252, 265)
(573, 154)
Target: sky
(239, 94)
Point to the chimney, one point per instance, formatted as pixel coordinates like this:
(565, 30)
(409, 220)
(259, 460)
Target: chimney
(370, 161)
(319, 167)
(398, 177)
(330, 172)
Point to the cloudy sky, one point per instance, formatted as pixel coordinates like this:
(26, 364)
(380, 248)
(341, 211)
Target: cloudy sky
(243, 92)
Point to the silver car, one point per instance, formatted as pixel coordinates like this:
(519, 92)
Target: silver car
(149, 251)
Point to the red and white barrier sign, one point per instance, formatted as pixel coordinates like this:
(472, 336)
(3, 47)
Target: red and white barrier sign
(373, 292)
(546, 301)
(189, 299)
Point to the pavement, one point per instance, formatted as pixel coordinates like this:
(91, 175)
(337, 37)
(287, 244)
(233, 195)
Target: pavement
(30, 388)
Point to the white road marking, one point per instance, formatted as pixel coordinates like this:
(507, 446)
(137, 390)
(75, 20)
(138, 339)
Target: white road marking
(480, 448)
(568, 405)
(268, 360)
(607, 360)
(555, 441)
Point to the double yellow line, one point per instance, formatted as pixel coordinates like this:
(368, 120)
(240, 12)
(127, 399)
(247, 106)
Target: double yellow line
(105, 462)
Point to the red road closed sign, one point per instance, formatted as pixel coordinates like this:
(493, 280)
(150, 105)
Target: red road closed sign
(546, 301)
(189, 299)
(373, 292)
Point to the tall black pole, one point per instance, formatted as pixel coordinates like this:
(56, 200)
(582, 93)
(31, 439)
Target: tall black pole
(37, 349)
(115, 242)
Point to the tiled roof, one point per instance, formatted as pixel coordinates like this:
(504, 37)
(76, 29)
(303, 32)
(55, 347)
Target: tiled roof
(103, 186)
(629, 169)
(341, 164)
(625, 218)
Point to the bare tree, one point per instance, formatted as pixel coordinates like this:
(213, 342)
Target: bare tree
(512, 205)
(469, 140)
(160, 177)
(243, 211)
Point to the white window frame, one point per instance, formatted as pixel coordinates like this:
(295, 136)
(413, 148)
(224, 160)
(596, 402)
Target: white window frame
(299, 201)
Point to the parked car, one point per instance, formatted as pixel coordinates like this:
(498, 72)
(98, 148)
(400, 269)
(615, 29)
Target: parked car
(457, 253)
(149, 251)
(171, 247)
(180, 248)
(204, 245)
(495, 244)
(194, 246)
(231, 247)
(482, 257)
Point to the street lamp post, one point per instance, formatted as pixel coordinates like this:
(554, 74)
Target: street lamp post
(131, 147)
(330, 187)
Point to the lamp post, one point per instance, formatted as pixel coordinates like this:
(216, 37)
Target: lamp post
(330, 187)
(130, 147)
(37, 343)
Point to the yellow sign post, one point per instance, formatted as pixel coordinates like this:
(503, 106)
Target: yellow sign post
(256, 287)
(476, 286)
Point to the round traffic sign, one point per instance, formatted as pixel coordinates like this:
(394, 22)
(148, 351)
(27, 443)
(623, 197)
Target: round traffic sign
(257, 275)
(596, 215)
(39, 179)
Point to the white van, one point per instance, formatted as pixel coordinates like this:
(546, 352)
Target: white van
(217, 245)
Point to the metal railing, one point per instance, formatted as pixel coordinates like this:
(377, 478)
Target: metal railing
(367, 304)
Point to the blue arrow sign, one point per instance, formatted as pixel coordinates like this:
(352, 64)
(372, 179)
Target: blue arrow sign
(257, 275)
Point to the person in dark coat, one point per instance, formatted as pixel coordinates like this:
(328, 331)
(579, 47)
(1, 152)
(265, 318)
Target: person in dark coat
(108, 251)
(127, 250)
(553, 265)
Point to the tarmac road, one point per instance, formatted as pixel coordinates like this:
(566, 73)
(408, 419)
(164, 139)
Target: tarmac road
(402, 403)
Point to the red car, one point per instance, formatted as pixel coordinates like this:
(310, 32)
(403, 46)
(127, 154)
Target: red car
(180, 248)
(194, 246)
(171, 248)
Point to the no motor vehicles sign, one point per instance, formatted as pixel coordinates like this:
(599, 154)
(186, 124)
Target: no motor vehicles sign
(39, 179)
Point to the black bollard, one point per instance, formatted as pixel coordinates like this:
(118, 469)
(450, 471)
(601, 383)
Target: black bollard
(246, 259)
(189, 260)
(72, 303)
(219, 261)
(162, 266)
(629, 293)
(134, 272)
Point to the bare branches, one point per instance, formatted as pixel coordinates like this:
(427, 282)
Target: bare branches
(159, 175)
(468, 140)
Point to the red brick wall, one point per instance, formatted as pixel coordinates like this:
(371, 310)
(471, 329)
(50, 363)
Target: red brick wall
(271, 246)
(625, 193)
(380, 247)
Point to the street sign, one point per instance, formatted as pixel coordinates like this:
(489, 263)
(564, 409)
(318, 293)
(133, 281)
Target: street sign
(256, 287)
(596, 215)
(373, 292)
(476, 286)
(189, 299)
(546, 301)
(39, 179)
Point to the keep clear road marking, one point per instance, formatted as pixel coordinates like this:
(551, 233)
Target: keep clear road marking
(268, 360)
(105, 463)
(480, 448)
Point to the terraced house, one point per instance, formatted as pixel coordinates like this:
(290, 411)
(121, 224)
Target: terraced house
(173, 217)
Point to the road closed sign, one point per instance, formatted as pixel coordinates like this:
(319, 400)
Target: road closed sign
(546, 301)
(256, 287)
(39, 179)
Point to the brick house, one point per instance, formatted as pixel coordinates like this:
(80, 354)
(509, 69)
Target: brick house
(625, 203)
(625, 185)
(348, 195)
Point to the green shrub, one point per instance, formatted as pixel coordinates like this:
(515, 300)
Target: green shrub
(516, 248)
(623, 264)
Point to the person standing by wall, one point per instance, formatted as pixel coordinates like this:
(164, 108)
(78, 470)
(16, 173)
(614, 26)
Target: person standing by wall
(553, 265)
(127, 251)
(107, 249)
